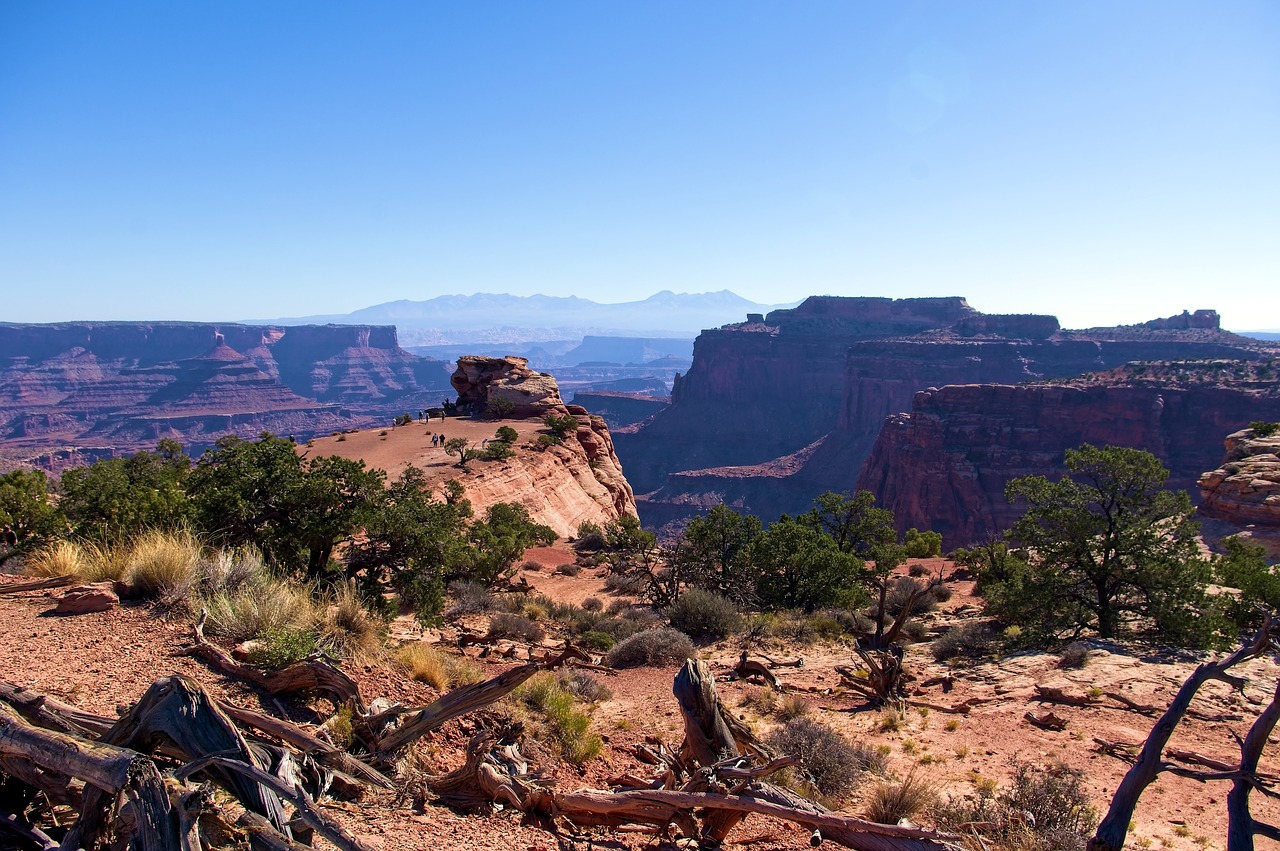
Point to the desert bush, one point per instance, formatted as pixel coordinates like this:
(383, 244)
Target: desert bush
(596, 640)
(915, 630)
(164, 564)
(497, 450)
(567, 728)
(618, 607)
(892, 801)
(651, 647)
(561, 426)
(833, 623)
(280, 647)
(546, 441)
(1074, 655)
(506, 434)
(592, 604)
(504, 625)
(435, 667)
(620, 628)
(229, 570)
(900, 591)
(620, 583)
(569, 569)
(498, 407)
(1044, 809)
(590, 537)
(917, 570)
(833, 764)
(582, 685)
(704, 614)
(940, 593)
(105, 561)
(469, 598)
(971, 640)
(61, 558)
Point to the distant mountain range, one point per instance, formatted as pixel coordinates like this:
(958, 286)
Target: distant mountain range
(499, 318)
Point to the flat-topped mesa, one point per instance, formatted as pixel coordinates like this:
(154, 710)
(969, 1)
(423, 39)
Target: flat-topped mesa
(480, 380)
(120, 386)
(1244, 492)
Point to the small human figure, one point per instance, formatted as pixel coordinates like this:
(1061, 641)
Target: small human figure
(10, 537)
(434, 440)
(484, 443)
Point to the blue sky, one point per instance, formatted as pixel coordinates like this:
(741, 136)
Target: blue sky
(1105, 161)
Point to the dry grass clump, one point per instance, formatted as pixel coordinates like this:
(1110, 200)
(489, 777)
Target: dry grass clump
(792, 706)
(348, 626)
(61, 558)
(260, 605)
(583, 686)
(651, 647)
(469, 598)
(428, 664)
(1045, 809)
(1074, 655)
(892, 801)
(164, 565)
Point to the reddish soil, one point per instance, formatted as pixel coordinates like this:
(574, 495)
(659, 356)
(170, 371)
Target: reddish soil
(101, 661)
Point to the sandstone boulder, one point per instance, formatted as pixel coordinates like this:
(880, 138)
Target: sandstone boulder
(479, 380)
(85, 599)
(1245, 491)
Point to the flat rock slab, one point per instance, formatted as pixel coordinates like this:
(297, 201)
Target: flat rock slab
(84, 599)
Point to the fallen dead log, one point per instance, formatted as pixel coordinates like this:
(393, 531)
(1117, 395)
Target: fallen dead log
(31, 834)
(1049, 694)
(1048, 721)
(844, 830)
(39, 584)
(748, 668)
(50, 713)
(306, 809)
(309, 675)
(263, 837)
(460, 701)
(322, 751)
(112, 771)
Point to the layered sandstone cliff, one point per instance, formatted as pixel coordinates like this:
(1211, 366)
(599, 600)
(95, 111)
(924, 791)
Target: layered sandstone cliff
(1244, 491)
(118, 386)
(945, 464)
(773, 412)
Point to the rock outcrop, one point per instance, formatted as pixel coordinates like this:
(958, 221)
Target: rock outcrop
(945, 464)
(775, 411)
(115, 387)
(578, 480)
(480, 380)
(1245, 491)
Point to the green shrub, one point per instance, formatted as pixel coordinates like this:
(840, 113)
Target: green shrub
(280, 647)
(561, 426)
(506, 434)
(596, 640)
(546, 441)
(922, 544)
(651, 647)
(590, 537)
(498, 407)
(704, 614)
(1261, 428)
(568, 729)
(497, 450)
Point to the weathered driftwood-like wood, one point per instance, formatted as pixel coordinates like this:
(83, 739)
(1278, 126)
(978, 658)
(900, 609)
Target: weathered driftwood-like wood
(306, 809)
(844, 830)
(263, 837)
(320, 750)
(38, 584)
(1241, 826)
(308, 675)
(27, 832)
(748, 668)
(59, 788)
(178, 711)
(52, 714)
(460, 701)
(112, 771)
(708, 739)
(1047, 721)
(1113, 828)
(1048, 694)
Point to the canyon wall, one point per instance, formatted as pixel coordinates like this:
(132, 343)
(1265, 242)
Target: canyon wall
(92, 389)
(1243, 494)
(775, 411)
(945, 464)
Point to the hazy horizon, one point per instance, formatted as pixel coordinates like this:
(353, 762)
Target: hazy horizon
(1106, 163)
